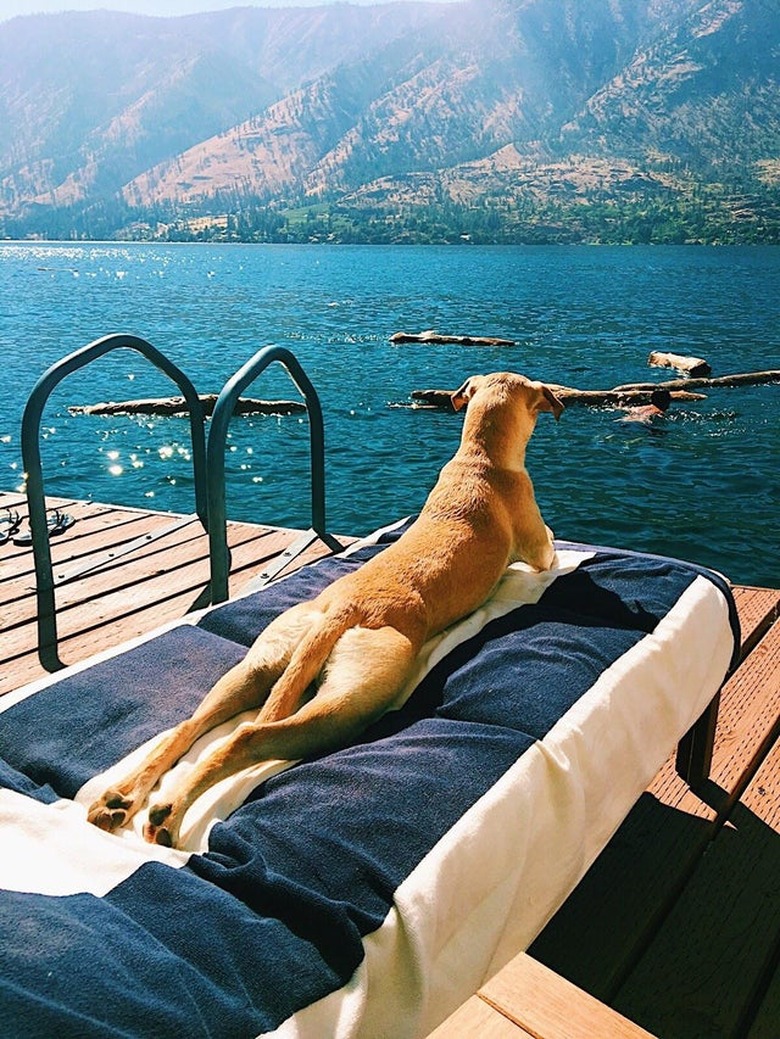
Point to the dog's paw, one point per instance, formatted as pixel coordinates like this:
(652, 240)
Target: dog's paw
(110, 811)
(157, 833)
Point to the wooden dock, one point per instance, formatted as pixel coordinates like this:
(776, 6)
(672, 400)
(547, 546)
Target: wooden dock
(674, 932)
(123, 572)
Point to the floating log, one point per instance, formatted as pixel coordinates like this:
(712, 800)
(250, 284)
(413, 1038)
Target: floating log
(694, 366)
(431, 336)
(618, 398)
(568, 394)
(629, 394)
(739, 379)
(178, 406)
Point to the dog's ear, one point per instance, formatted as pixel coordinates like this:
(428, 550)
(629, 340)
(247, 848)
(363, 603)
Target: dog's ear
(462, 396)
(549, 402)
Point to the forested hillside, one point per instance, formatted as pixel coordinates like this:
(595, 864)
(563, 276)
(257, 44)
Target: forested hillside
(479, 121)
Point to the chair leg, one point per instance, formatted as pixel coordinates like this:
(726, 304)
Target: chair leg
(694, 752)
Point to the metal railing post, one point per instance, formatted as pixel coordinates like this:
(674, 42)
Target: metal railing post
(223, 412)
(31, 457)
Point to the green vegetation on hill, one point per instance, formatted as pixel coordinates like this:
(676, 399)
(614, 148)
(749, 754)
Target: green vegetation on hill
(736, 210)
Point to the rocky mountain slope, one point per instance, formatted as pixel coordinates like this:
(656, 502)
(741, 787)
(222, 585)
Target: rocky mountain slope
(90, 100)
(494, 114)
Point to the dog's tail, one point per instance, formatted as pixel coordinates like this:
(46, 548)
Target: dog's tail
(309, 657)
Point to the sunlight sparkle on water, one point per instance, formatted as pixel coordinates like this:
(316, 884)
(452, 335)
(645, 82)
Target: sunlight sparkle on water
(584, 317)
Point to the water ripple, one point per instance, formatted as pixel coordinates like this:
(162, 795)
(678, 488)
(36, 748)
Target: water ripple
(704, 486)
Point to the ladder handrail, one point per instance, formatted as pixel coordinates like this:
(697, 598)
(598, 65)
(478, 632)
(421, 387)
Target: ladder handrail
(31, 457)
(217, 440)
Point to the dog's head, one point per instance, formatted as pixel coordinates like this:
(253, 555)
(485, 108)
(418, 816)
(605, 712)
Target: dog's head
(535, 396)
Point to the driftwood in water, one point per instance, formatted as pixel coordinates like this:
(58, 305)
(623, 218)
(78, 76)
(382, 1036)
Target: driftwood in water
(569, 395)
(694, 366)
(739, 379)
(432, 336)
(178, 406)
(629, 393)
(442, 398)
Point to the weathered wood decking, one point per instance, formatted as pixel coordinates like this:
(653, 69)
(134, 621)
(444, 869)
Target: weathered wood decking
(675, 931)
(121, 594)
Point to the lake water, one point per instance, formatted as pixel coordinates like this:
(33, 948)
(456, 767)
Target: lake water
(704, 484)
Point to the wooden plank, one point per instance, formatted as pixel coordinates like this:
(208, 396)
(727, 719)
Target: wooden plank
(13, 500)
(126, 596)
(136, 591)
(131, 609)
(93, 533)
(604, 926)
(27, 668)
(173, 549)
(250, 557)
(550, 1007)
(750, 719)
(477, 1018)
(758, 609)
(525, 1000)
(701, 973)
(88, 541)
(18, 559)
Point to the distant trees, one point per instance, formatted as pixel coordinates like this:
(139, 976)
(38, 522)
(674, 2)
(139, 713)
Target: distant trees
(686, 208)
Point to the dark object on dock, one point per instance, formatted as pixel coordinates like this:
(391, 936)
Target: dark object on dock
(694, 366)
(431, 336)
(178, 406)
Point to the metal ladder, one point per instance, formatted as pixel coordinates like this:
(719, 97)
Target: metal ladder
(208, 462)
(223, 411)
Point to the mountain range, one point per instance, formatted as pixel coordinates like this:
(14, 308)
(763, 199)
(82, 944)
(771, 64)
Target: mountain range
(483, 120)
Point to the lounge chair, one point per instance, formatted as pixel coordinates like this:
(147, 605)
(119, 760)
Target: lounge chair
(368, 892)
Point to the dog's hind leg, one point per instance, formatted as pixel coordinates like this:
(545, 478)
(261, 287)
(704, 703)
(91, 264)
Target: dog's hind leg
(244, 686)
(365, 673)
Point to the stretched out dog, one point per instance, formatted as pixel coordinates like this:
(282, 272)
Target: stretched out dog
(359, 638)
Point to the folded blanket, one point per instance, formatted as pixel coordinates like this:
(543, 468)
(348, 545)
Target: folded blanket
(369, 891)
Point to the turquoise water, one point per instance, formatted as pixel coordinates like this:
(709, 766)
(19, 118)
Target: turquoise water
(705, 485)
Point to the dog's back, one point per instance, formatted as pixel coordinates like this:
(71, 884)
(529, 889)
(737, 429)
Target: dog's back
(480, 516)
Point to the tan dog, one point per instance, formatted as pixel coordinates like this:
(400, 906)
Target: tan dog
(359, 638)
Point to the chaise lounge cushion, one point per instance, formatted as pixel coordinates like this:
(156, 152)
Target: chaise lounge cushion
(367, 892)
